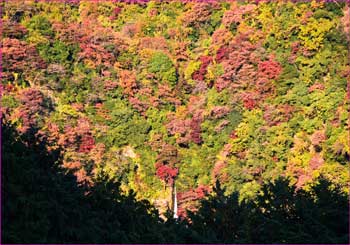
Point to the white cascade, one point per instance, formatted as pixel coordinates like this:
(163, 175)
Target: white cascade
(175, 203)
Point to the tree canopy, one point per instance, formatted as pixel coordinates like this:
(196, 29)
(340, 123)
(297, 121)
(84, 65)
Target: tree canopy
(115, 103)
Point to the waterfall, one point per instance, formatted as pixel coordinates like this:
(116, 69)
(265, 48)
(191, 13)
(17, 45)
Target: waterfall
(175, 203)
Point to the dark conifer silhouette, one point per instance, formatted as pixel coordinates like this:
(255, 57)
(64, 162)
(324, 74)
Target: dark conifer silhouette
(43, 203)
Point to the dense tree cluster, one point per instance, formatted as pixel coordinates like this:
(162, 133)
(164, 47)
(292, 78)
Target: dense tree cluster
(185, 94)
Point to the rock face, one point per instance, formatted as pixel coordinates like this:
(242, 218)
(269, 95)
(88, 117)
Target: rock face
(167, 202)
(128, 151)
(162, 205)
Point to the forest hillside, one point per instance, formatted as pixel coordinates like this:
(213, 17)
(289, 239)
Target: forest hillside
(231, 116)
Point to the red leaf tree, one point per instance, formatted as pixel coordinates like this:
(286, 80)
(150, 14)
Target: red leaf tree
(31, 110)
(19, 57)
(166, 168)
(205, 62)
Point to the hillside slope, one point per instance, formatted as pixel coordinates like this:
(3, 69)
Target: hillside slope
(183, 93)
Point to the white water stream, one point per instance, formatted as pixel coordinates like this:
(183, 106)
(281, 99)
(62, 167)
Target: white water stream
(175, 203)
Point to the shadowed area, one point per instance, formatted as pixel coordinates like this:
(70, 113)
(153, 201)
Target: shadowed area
(280, 214)
(43, 203)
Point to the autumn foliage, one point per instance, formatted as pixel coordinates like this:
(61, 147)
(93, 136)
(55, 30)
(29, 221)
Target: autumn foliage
(165, 94)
